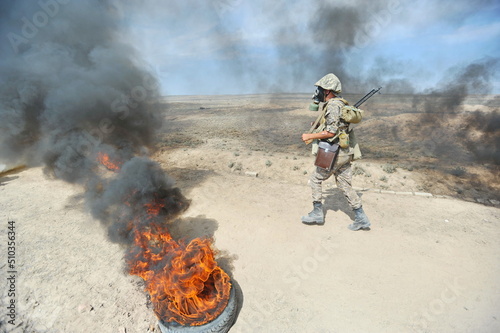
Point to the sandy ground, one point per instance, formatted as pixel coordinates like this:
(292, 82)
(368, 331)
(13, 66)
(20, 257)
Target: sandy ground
(430, 263)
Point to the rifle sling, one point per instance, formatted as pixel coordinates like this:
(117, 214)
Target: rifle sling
(315, 124)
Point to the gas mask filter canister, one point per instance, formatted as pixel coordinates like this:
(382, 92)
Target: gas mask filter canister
(318, 97)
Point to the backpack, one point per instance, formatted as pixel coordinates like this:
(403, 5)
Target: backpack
(350, 114)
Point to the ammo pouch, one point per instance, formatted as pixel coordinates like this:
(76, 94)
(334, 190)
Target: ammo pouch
(344, 140)
(326, 156)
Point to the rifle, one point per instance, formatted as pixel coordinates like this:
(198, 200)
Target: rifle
(357, 105)
(366, 97)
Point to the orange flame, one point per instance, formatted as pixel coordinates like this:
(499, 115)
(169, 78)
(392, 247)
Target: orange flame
(183, 279)
(105, 160)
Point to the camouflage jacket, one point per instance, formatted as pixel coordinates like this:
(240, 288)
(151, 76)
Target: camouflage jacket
(333, 123)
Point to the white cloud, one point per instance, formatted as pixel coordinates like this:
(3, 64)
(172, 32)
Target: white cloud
(473, 33)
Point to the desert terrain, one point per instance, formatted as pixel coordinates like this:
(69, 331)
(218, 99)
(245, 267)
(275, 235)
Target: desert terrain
(428, 179)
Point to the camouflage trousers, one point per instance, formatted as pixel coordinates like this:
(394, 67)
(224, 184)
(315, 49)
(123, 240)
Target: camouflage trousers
(343, 176)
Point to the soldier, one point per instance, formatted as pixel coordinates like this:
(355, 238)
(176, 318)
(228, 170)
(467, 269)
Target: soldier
(329, 88)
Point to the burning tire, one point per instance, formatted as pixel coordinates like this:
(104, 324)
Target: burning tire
(221, 324)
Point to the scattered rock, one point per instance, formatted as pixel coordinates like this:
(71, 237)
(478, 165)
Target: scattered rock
(82, 308)
(423, 194)
(387, 192)
(237, 167)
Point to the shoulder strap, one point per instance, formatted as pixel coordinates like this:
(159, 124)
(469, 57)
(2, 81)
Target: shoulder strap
(342, 100)
(318, 120)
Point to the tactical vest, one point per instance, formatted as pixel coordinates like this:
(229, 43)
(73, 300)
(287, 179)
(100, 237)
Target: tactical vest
(322, 123)
(346, 138)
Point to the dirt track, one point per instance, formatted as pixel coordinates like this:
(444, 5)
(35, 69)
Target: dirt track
(429, 264)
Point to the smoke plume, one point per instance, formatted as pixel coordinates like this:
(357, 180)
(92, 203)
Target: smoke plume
(73, 90)
(340, 31)
(479, 138)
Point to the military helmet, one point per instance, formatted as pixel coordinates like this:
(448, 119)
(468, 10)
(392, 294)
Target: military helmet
(330, 82)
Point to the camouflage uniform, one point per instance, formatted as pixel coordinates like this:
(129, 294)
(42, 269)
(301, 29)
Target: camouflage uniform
(331, 121)
(342, 168)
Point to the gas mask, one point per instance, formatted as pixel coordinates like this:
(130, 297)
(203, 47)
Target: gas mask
(318, 97)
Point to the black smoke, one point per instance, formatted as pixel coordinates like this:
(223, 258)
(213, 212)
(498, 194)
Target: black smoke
(321, 37)
(71, 89)
(340, 30)
(475, 135)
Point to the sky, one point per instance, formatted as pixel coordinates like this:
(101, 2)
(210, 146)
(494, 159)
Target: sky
(238, 46)
(243, 47)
